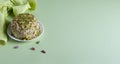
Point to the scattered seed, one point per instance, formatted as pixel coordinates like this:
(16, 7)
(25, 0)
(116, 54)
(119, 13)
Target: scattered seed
(33, 49)
(37, 42)
(43, 51)
(16, 47)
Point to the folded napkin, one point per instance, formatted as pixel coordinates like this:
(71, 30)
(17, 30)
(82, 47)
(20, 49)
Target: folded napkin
(8, 10)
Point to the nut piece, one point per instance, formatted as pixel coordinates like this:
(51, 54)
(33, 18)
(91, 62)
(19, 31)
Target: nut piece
(15, 47)
(43, 51)
(33, 48)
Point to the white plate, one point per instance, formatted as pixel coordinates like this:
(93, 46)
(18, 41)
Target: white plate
(12, 37)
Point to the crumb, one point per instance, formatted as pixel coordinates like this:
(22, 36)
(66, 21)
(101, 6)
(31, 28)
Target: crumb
(43, 51)
(37, 42)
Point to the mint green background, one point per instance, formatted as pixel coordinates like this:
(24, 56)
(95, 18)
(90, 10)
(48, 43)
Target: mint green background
(76, 32)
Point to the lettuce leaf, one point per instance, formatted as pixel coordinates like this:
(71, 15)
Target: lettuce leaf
(20, 9)
(32, 4)
(3, 36)
(22, 6)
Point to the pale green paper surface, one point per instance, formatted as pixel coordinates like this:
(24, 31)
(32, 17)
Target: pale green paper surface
(76, 32)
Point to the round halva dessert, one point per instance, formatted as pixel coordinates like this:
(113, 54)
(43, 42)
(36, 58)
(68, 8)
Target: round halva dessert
(25, 27)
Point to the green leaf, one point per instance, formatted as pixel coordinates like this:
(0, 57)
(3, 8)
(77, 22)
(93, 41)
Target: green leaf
(32, 4)
(20, 9)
